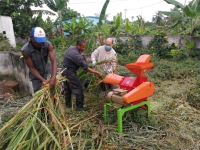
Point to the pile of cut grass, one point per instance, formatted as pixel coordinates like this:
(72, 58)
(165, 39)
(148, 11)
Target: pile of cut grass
(43, 124)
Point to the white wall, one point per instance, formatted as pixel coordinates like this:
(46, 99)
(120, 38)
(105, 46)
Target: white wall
(7, 26)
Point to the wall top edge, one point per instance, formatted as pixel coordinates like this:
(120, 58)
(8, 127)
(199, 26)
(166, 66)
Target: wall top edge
(14, 53)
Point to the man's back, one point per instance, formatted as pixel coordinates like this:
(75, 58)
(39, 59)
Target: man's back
(73, 59)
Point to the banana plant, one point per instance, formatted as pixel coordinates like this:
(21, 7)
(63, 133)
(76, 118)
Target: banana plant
(116, 27)
(190, 12)
(48, 25)
(139, 27)
(78, 26)
(189, 44)
(129, 26)
(91, 44)
(105, 29)
(57, 6)
(98, 31)
(85, 29)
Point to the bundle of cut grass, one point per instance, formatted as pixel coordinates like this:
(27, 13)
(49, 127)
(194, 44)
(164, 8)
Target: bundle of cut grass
(111, 60)
(43, 124)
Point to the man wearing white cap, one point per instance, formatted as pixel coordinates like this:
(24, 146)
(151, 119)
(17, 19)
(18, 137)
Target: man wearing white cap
(36, 53)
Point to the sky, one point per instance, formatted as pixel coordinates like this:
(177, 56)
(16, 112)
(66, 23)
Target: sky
(129, 8)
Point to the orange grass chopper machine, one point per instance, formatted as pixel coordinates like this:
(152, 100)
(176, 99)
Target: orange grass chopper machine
(133, 92)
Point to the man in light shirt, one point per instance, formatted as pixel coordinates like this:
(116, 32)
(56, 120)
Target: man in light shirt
(106, 57)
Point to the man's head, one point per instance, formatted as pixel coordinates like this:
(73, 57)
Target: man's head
(37, 37)
(81, 44)
(108, 44)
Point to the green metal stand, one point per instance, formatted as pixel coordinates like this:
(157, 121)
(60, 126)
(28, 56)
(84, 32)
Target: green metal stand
(121, 111)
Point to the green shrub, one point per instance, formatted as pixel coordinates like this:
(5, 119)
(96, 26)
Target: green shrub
(60, 53)
(131, 57)
(60, 42)
(159, 46)
(19, 46)
(178, 54)
(122, 59)
(4, 44)
(133, 43)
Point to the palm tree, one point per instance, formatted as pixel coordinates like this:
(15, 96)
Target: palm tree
(157, 18)
(98, 15)
(44, 11)
(57, 6)
(132, 18)
(141, 21)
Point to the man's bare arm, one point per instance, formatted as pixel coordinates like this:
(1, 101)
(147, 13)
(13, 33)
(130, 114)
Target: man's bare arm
(52, 57)
(95, 72)
(31, 67)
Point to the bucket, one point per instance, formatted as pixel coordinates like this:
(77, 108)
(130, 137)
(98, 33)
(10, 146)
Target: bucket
(10, 85)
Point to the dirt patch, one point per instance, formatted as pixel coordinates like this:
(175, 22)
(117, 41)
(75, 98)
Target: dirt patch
(11, 100)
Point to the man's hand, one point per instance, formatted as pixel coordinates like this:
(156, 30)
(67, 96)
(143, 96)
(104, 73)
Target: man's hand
(94, 63)
(44, 82)
(52, 82)
(100, 74)
(95, 72)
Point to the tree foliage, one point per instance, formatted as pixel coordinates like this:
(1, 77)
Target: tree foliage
(57, 6)
(189, 16)
(7, 7)
(20, 11)
(68, 13)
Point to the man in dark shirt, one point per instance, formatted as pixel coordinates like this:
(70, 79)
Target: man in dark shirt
(73, 60)
(36, 53)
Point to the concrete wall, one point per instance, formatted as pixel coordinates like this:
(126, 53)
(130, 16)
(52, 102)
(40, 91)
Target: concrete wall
(21, 41)
(180, 40)
(5, 64)
(11, 64)
(6, 26)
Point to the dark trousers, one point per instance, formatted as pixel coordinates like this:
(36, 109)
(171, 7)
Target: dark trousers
(73, 85)
(36, 85)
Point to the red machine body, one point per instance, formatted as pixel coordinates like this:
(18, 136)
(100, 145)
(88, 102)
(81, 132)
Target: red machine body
(129, 83)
